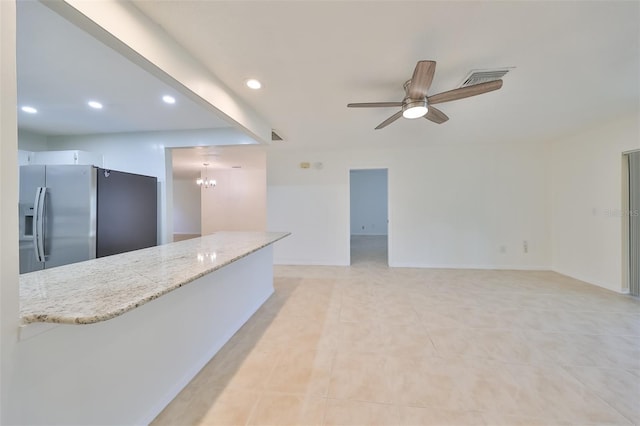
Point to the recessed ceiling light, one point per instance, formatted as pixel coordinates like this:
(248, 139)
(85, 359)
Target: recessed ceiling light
(30, 110)
(252, 83)
(94, 104)
(169, 99)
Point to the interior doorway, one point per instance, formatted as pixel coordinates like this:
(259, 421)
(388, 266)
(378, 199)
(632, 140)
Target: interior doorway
(369, 207)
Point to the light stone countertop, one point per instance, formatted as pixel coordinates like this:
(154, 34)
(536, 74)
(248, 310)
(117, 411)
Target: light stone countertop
(100, 289)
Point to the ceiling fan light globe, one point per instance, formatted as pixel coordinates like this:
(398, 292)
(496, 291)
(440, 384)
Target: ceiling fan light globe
(414, 111)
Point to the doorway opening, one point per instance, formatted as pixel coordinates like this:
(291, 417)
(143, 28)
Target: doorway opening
(369, 207)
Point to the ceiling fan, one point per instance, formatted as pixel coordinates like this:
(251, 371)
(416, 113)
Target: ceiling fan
(417, 104)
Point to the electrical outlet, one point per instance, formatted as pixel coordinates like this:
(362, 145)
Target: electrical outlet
(363, 227)
(503, 249)
(525, 246)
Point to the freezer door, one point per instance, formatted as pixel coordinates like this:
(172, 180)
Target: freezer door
(127, 212)
(31, 178)
(70, 214)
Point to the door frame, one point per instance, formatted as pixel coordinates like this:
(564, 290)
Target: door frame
(626, 250)
(625, 225)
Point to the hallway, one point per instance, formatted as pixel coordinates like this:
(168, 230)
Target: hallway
(369, 250)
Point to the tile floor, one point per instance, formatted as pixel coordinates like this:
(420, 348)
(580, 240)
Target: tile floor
(368, 344)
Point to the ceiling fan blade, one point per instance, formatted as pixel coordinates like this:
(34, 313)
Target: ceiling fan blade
(421, 80)
(435, 115)
(389, 120)
(465, 92)
(374, 104)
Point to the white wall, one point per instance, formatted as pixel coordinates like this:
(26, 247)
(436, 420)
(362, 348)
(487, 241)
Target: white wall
(186, 207)
(30, 141)
(237, 203)
(587, 201)
(146, 153)
(9, 302)
(450, 205)
(368, 202)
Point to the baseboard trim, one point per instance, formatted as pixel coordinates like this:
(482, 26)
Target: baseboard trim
(470, 266)
(307, 262)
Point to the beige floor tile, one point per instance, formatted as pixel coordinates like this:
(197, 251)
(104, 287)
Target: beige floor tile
(454, 342)
(405, 341)
(588, 350)
(509, 346)
(536, 320)
(442, 316)
(231, 407)
(459, 384)
(478, 317)
(620, 324)
(426, 382)
(290, 332)
(613, 351)
(281, 410)
(250, 372)
(357, 413)
(360, 313)
(432, 416)
(312, 299)
(487, 386)
(550, 392)
(360, 337)
(362, 377)
(501, 419)
(619, 388)
(186, 409)
(302, 373)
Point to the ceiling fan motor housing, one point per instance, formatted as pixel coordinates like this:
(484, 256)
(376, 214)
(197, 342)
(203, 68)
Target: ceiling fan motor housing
(414, 108)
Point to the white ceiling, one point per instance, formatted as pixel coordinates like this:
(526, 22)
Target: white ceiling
(60, 67)
(577, 63)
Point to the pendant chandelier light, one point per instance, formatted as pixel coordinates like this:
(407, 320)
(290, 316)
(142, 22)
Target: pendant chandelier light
(206, 182)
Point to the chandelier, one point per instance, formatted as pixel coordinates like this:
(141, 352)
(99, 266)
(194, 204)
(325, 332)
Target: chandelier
(206, 182)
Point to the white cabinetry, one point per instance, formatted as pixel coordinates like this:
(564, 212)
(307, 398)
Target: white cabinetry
(67, 157)
(24, 157)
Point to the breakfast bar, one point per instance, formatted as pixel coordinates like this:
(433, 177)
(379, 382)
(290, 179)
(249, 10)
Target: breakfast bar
(101, 289)
(134, 327)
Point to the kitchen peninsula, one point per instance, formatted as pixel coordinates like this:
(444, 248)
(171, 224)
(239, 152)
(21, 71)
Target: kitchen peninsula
(127, 332)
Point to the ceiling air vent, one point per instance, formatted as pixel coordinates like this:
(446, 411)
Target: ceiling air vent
(275, 136)
(483, 76)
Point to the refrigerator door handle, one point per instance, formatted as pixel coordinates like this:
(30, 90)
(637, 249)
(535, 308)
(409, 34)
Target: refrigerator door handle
(38, 223)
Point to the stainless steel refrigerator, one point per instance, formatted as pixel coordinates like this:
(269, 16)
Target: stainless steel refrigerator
(71, 213)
